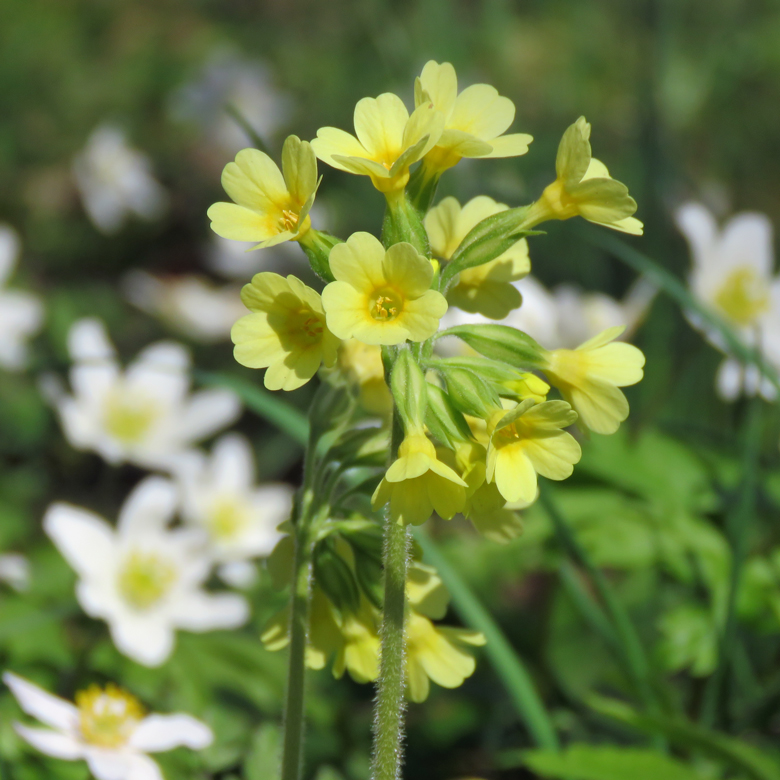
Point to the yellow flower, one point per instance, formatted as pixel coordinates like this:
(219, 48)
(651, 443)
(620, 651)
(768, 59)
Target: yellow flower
(269, 207)
(418, 483)
(388, 140)
(286, 332)
(528, 440)
(359, 648)
(475, 119)
(436, 653)
(363, 364)
(584, 188)
(589, 377)
(485, 289)
(381, 297)
(528, 386)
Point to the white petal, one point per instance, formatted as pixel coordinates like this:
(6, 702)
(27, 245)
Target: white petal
(108, 764)
(47, 708)
(233, 463)
(51, 743)
(15, 570)
(700, 228)
(147, 639)
(84, 539)
(157, 733)
(144, 768)
(238, 574)
(88, 341)
(199, 611)
(730, 379)
(91, 382)
(747, 241)
(150, 507)
(161, 372)
(207, 412)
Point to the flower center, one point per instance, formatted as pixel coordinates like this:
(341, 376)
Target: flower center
(107, 717)
(227, 518)
(312, 327)
(743, 297)
(386, 306)
(129, 418)
(288, 221)
(145, 578)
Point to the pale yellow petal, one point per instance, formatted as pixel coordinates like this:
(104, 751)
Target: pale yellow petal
(481, 111)
(241, 224)
(331, 141)
(441, 84)
(299, 165)
(441, 224)
(379, 126)
(360, 262)
(421, 316)
(345, 309)
(510, 145)
(255, 181)
(514, 475)
(407, 269)
(574, 154)
(555, 455)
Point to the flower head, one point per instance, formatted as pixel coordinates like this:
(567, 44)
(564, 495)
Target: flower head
(107, 728)
(21, 314)
(143, 415)
(388, 140)
(486, 288)
(589, 377)
(381, 297)
(285, 333)
(474, 120)
(418, 483)
(584, 188)
(270, 206)
(527, 441)
(143, 579)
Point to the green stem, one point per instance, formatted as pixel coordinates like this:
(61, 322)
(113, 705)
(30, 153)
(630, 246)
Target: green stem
(390, 701)
(632, 651)
(738, 525)
(506, 662)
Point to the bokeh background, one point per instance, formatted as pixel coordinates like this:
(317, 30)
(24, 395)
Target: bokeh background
(683, 98)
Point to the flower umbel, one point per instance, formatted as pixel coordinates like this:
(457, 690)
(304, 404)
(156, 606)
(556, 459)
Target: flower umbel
(381, 297)
(584, 188)
(270, 206)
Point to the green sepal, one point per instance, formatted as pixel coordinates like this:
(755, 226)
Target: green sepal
(410, 391)
(422, 186)
(317, 245)
(469, 393)
(491, 370)
(444, 421)
(402, 222)
(336, 578)
(500, 342)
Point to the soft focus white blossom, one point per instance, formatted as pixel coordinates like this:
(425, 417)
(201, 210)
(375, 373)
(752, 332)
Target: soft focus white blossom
(193, 305)
(115, 181)
(107, 728)
(733, 275)
(247, 86)
(21, 313)
(144, 414)
(219, 495)
(144, 579)
(15, 570)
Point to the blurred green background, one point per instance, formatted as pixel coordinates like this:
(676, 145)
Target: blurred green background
(683, 98)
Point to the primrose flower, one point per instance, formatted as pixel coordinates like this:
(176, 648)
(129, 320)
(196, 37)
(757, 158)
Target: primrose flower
(219, 496)
(474, 120)
(21, 313)
(584, 188)
(106, 727)
(115, 181)
(486, 288)
(270, 206)
(285, 333)
(528, 440)
(381, 297)
(143, 579)
(732, 275)
(363, 365)
(437, 653)
(143, 415)
(418, 483)
(388, 140)
(191, 304)
(589, 377)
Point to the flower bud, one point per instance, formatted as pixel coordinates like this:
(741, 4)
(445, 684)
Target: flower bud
(444, 421)
(470, 393)
(403, 223)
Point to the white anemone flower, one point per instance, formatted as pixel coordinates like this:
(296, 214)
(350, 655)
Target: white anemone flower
(15, 571)
(144, 579)
(144, 414)
(219, 495)
(732, 274)
(115, 181)
(106, 727)
(191, 304)
(21, 313)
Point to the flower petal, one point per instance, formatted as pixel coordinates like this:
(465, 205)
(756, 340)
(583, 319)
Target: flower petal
(359, 262)
(481, 111)
(199, 611)
(158, 733)
(299, 164)
(441, 83)
(332, 142)
(408, 270)
(511, 145)
(379, 126)
(255, 182)
(42, 705)
(150, 507)
(207, 412)
(51, 743)
(240, 223)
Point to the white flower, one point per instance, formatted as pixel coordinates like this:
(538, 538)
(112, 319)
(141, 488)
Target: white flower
(732, 274)
(21, 314)
(15, 570)
(106, 727)
(219, 495)
(191, 304)
(142, 578)
(143, 415)
(245, 85)
(115, 181)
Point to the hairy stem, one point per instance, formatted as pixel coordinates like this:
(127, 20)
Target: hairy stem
(390, 702)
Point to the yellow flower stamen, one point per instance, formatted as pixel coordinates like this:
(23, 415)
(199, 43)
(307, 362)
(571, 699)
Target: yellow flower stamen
(107, 716)
(145, 578)
(743, 297)
(128, 418)
(227, 518)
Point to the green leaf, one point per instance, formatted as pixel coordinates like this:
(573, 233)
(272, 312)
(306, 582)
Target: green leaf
(596, 762)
